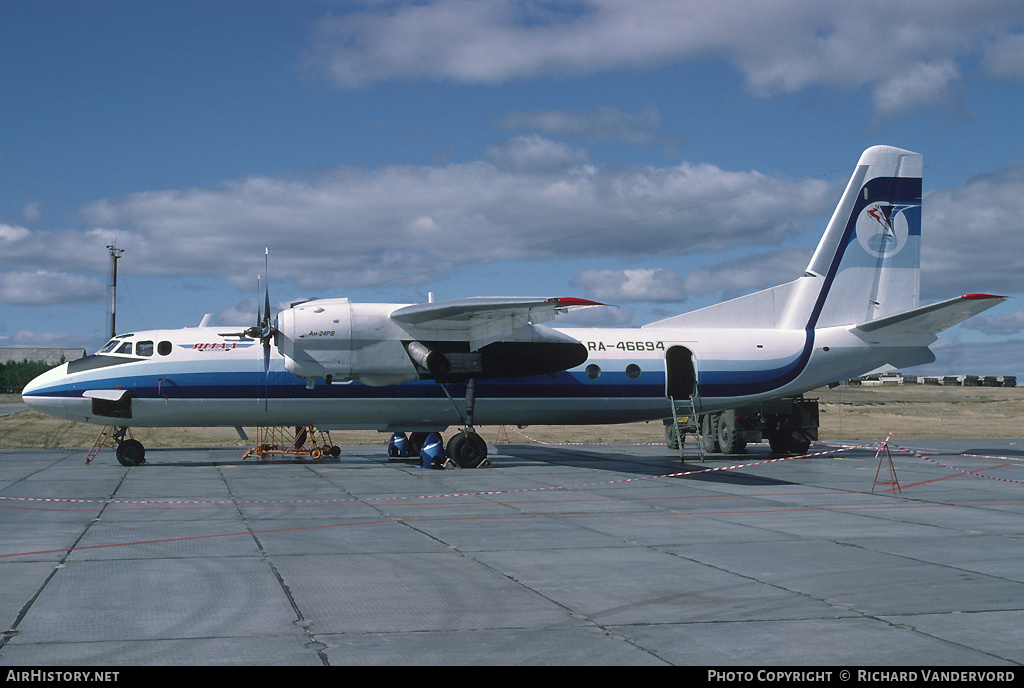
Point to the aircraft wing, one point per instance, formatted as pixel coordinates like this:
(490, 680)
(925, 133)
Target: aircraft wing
(481, 320)
(930, 320)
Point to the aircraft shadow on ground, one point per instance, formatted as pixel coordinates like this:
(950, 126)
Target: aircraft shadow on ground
(648, 466)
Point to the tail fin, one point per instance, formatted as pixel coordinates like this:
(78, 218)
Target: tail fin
(868, 263)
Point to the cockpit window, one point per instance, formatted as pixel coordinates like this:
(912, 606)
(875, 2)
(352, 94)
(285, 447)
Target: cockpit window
(110, 346)
(125, 348)
(144, 349)
(164, 348)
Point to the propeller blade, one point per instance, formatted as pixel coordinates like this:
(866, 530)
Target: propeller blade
(266, 330)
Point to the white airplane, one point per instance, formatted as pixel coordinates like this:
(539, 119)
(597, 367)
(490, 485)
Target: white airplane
(334, 364)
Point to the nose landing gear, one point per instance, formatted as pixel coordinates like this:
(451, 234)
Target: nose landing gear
(130, 452)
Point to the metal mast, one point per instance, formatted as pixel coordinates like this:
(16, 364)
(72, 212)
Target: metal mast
(115, 253)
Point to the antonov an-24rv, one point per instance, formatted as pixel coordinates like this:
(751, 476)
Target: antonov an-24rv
(335, 364)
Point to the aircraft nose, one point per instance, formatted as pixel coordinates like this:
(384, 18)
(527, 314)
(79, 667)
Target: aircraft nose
(44, 393)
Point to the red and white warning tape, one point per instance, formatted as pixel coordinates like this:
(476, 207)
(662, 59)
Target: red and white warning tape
(975, 473)
(176, 502)
(833, 450)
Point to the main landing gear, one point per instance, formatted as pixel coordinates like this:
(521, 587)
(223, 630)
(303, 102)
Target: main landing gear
(466, 449)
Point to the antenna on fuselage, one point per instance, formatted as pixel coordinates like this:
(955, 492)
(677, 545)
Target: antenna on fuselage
(115, 253)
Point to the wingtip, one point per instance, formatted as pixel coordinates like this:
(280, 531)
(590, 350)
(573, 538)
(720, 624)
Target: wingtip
(980, 297)
(575, 301)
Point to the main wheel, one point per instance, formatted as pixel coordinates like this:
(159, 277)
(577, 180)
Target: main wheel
(131, 453)
(799, 445)
(467, 449)
(416, 440)
(673, 440)
(783, 442)
(728, 439)
(709, 432)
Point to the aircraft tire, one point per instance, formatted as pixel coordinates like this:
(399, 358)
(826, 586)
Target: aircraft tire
(709, 432)
(416, 440)
(131, 453)
(672, 438)
(728, 440)
(799, 445)
(467, 449)
(783, 442)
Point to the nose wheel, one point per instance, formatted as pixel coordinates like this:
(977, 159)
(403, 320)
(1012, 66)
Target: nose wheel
(130, 452)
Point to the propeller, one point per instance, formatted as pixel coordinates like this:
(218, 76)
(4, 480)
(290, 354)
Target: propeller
(264, 330)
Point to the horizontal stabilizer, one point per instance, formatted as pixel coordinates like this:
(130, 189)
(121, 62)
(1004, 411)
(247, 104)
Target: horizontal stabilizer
(930, 320)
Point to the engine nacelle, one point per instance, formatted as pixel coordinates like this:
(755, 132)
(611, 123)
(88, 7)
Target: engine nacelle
(337, 340)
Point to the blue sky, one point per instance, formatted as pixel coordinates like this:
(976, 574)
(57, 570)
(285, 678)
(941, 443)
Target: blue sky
(658, 155)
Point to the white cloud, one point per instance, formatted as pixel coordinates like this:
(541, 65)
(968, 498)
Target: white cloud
(779, 47)
(534, 152)
(965, 228)
(351, 226)
(596, 316)
(997, 324)
(973, 358)
(602, 124)
(245, 312)
(45, 288)
(10, 233)
(61, 340)
(749, 274)
(922, 84)
(729, 278)
(1005, 57)
(31, 213)
(534, 198)
(643, 284)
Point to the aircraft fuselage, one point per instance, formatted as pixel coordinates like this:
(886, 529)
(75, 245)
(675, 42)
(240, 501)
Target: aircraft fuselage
(197, 377)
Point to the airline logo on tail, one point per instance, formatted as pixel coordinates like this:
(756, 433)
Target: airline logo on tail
(883, 228)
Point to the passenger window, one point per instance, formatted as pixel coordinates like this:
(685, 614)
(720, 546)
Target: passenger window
(593, 371)
(164, 348)
(632, 371)
(144, 349)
